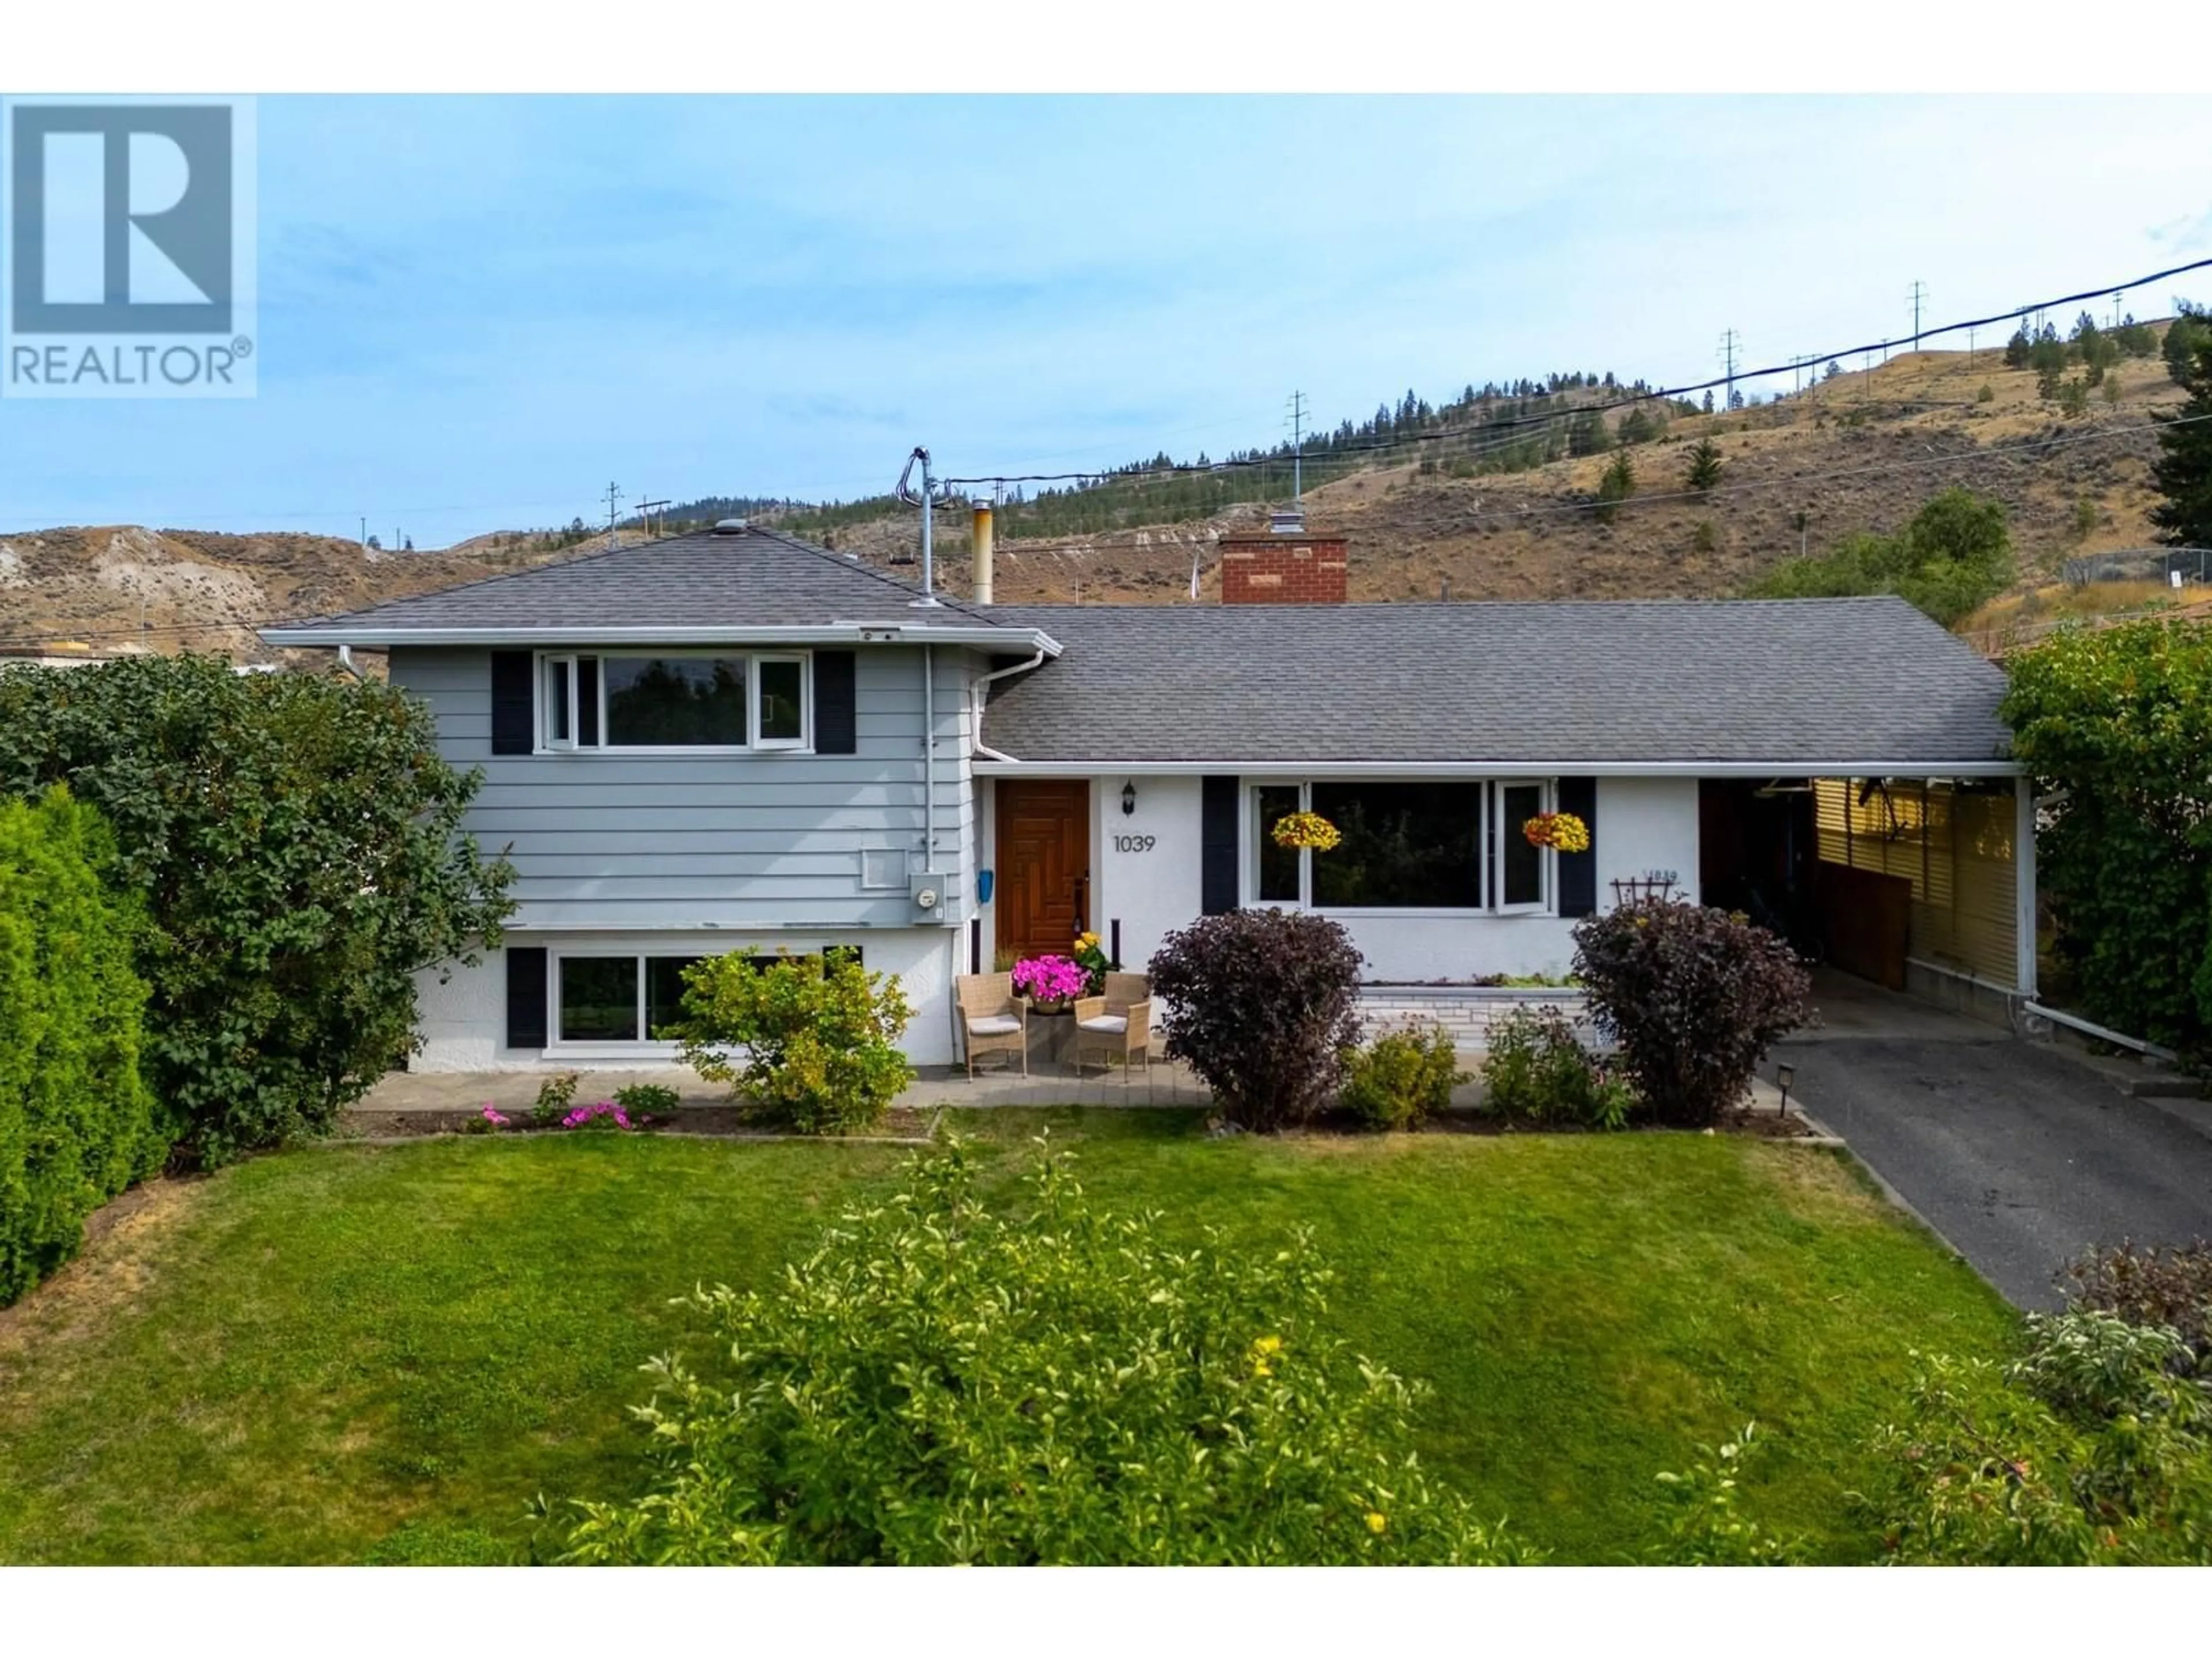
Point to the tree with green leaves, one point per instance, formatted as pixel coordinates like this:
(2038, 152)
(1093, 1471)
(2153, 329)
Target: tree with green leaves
(1955, 554)
(2183, 471)
(297, 839)
(2190, 328)
(2018, 348)
(2115, 727)
(1704, 470)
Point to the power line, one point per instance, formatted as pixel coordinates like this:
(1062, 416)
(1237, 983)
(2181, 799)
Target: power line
(1663, 393)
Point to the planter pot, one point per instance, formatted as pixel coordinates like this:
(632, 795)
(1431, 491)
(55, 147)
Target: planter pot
(1052, 1034)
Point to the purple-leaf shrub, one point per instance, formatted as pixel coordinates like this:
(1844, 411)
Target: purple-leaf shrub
(1263, 1005)
(1694, 996)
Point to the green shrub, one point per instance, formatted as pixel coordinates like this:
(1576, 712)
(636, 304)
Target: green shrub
(2169, 1287)
(821, 1043)
(1694, 997)
(554, 1094)
(77, 1123)
(1263, 1005)
(2116, 728)
(1710, 1529)
(297, 840)
(941, 1382)
(1402, 1078)
(2092, 1448)
(639, 1098)
(1537, 1073)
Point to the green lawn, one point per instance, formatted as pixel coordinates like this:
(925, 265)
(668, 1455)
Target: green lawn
(348, 1352)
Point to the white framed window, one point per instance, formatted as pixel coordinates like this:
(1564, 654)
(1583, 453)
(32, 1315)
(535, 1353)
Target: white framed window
(672, 702)
(1448, 846)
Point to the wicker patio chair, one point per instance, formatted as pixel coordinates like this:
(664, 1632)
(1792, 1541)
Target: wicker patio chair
(1117, 1022)
(993, 1018)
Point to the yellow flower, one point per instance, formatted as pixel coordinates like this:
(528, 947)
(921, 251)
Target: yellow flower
(1261, 1368)
(1268, 1344)
(1377, 1521)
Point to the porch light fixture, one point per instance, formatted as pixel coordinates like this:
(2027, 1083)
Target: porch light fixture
(1128, 800)
(1784, 1076)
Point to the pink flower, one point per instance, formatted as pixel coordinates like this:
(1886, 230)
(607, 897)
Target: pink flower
(1051, 978)
(493, 1116)
(583, 1115)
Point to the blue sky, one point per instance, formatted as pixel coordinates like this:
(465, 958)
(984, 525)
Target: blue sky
(475, 312)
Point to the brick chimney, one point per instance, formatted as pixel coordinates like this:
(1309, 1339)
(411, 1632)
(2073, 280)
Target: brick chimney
(1285, 564)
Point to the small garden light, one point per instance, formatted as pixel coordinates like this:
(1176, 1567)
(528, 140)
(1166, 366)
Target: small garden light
(1785, 1075)
(1128, 800)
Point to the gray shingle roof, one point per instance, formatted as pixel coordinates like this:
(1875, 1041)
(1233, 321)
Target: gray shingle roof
(754, 579)
(1783, 680)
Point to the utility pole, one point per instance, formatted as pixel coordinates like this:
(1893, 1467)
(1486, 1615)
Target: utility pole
(647, 509)
(1970, 345)
(1919, 294)
(614, 499)
(1298, 420)
(1730, 341)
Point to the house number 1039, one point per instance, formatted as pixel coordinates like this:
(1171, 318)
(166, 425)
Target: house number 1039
(1135, 843)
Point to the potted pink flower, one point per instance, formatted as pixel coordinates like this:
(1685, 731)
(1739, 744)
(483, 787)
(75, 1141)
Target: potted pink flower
(1051, 983)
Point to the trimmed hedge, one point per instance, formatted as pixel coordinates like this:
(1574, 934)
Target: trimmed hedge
(77, 1123)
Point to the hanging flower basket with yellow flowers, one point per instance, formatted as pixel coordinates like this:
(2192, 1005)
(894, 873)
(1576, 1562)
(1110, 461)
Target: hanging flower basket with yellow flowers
(1306, 829)
(1563, 832)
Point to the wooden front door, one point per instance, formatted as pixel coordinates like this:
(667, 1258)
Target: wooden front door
(1043, 884)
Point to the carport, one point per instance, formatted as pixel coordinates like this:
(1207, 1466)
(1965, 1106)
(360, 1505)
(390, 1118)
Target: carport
(1919, 884)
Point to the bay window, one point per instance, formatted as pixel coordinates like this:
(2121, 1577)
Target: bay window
(1443, 844)
(675, 700)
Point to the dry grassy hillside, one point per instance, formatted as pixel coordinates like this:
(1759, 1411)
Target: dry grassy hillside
(120, 587)
(1860, 451)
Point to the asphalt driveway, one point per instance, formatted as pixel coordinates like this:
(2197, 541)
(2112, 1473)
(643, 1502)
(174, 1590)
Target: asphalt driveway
(2020, 1155)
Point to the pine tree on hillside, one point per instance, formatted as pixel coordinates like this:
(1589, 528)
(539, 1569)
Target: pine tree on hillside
(2018, 348)
(2183, 471)
(1703, 471)
(1618, 484)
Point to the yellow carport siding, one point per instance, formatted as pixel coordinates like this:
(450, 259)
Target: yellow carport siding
(1954, 845)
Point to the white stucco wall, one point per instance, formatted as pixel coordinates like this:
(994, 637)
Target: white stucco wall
(1149, 890)
(463, 1021)
(1645, 825)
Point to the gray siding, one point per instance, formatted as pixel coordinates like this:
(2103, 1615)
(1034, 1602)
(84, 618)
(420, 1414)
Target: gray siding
(730, 840)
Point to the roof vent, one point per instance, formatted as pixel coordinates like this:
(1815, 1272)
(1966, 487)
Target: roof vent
(1287, 521)
(729, 526)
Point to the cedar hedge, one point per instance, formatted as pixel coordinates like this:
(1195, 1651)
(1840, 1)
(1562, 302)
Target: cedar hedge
(77, 1123)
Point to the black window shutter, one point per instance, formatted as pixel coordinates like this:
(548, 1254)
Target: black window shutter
(1579, 870)
(588, 701)
(1217, 841)
(513, 713)
(526, 997)
(836, 711)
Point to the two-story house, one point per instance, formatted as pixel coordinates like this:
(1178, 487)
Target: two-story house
(734, 739)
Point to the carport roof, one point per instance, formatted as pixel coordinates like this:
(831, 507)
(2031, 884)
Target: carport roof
(1872, 684)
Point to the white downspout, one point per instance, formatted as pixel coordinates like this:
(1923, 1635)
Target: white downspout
(345, 661)
(979, 695)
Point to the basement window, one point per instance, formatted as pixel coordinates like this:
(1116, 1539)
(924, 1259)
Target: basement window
(632, 997)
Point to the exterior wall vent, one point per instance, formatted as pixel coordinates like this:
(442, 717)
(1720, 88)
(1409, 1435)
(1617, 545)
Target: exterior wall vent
(1287, 521)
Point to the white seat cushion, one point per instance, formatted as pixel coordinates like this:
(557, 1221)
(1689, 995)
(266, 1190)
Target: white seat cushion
(1114, 1024)
(995, 1024)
